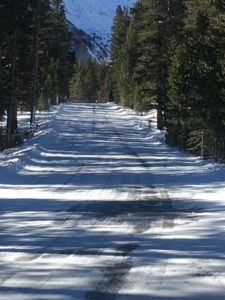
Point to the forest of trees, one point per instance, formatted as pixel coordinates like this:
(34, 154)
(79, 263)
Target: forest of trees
(170, 54)
(36, 62)
(165, 54)
(91, 82)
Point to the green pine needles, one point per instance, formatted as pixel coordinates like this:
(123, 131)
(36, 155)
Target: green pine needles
(170, 54)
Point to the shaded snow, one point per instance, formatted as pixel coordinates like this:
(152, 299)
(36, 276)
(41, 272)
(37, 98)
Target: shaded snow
(96, 206)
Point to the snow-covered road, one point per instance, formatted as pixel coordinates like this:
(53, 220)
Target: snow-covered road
(96, 208)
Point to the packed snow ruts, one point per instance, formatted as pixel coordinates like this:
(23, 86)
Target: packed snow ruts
(97, 222)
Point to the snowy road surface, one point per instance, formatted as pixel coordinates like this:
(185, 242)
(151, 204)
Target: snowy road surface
(96, 208)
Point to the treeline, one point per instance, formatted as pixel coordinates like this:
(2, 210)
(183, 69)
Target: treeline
(167, 54)
(170, 54)
(36, 62)
(91, 82)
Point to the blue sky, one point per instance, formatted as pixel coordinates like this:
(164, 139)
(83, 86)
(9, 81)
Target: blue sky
(93, 15)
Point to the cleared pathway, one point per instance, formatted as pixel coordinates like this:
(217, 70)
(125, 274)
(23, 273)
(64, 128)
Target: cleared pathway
(85, 215)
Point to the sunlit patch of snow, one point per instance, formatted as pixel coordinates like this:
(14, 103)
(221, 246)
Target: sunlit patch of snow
(87, 184)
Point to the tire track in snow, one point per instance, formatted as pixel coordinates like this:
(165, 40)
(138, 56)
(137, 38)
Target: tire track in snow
(114, 276)
(69, 217)
(69, 213)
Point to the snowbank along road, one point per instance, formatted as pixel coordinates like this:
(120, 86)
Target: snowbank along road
(95, 208)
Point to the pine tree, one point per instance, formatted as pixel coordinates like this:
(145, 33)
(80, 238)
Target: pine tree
(58, 52)
(104, 82)
(119, 30)
(197, 84)
(91, 82)
(33, 63)
(77, 85)
(5, 72)
(145, 66)
(14, 34)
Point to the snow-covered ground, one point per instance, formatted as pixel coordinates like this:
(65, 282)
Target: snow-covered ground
(96, 207)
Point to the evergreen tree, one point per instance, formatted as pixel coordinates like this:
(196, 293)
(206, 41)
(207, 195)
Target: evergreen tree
(14, 35)
(104, 82)
(119, 31)
(59, 59)
(35, 57)
(90, 82)
(197, 84)
(145, 62)
(159, 25)
(172, 57)
(77, 83)
(5, 72)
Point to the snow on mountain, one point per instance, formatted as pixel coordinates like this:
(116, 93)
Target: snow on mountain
(85, 46)
(94, 16)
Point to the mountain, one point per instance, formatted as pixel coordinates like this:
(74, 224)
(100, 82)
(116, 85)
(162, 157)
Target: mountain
(86, 46)
(94, 17)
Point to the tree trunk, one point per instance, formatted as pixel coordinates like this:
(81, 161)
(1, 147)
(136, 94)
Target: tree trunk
(160, 119)
(12, 125)
(202, 144)
(57, 99)
(35, 67)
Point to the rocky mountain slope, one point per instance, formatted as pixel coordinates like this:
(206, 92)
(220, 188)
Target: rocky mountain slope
(85, 46)
(93, 22)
